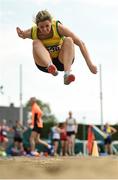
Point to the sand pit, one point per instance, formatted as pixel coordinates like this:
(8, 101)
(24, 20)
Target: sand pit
(59, 168)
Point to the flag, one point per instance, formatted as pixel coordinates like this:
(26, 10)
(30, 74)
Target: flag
(90, 138)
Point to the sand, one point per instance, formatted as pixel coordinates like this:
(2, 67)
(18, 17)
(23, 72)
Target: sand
(59, 168)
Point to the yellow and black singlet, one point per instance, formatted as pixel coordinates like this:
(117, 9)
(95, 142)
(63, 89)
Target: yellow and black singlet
(52, 44)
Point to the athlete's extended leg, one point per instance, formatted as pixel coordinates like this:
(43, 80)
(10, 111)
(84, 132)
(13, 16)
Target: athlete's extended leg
(39, 141)
(66, 56)
(32, 140)
(42, 57)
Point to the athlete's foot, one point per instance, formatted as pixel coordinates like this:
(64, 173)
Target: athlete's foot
(53, 70)
(68, 79)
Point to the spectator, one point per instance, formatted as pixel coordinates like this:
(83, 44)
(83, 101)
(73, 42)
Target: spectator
(109, 131)
(18, 138)
(71, 129)
(63, 139)
(56, 138)
(4, 134)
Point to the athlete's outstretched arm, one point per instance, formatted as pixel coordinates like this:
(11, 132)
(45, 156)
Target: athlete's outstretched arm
(66, 32)
(24, 34)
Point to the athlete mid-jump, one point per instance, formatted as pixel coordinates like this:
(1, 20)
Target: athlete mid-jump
(53, 46)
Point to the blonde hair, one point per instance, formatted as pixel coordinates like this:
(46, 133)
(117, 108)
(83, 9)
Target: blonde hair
(43, 16)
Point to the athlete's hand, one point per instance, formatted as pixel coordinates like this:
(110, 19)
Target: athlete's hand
(20, 33)
(93, 69)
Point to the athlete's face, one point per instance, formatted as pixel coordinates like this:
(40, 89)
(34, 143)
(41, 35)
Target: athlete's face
(45, 27)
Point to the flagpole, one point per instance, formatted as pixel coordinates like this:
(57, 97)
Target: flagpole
(101, 96)
(20, 97)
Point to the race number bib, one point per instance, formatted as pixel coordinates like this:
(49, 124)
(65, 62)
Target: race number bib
(53, 48)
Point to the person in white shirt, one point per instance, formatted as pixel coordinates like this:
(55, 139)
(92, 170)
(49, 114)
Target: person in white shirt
(56, 138)
(71, 129)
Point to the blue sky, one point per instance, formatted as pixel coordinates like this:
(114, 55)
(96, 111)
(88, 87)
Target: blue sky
(96, 23)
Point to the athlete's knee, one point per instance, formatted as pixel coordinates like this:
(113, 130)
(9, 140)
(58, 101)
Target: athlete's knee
(36, 43)
(68, 40)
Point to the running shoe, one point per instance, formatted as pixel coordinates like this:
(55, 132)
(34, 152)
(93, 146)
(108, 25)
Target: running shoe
(53, 70)
(68, 79)
(34, 153)
(51, 151)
